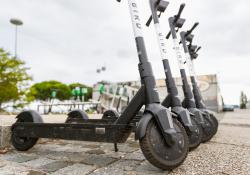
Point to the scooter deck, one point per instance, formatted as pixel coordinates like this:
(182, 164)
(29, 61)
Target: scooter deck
(111, 120)
(91, 130)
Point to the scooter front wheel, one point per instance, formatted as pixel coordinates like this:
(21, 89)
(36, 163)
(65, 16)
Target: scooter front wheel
(158, 153)
(215, 123)
(208, 131)
(195, 137)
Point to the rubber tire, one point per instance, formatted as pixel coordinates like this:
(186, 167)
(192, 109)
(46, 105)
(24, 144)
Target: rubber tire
(194, 138)
(27, 142)
(77, 115)
(208, 135)
(151, 154)
(215, 123)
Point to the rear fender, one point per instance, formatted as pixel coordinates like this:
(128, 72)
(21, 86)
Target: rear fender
(30, 116)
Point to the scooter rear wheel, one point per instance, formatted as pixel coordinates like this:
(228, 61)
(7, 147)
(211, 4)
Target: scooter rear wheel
(195, 138)
(22, 143)
(158, 153)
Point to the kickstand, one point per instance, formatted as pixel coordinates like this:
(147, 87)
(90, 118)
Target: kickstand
(115, 146)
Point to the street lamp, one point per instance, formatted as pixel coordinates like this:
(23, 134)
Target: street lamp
(16, 22)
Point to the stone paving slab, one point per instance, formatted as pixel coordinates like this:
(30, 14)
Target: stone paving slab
(19, 158)
(234, 135)
(119, 167)
(13, 168)
(76, 169)
(37, 163)
(54, 166)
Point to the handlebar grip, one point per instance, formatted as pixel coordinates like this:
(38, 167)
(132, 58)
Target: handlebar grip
(149, 21)
(199, 48)
(180, 11)
(191, 30)
(194, 26)
(168, 35)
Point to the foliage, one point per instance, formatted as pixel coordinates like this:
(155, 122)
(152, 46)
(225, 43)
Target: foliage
(13, 79)
(43, 91)
(243, 100)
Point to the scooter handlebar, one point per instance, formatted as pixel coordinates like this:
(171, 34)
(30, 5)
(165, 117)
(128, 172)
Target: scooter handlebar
(199, 48)
(176, 17)
(179, 12)
(149, 21)
(168, 35)
(161, 6)
(192, 29)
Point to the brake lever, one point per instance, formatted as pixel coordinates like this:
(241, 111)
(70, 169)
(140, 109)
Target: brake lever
(150, 20)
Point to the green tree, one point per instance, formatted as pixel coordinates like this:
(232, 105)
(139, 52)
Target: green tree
(89, 93)
(43, 91)
(243, 100)
(13, 80)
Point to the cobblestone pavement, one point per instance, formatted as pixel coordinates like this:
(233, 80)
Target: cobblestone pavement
(227, 153)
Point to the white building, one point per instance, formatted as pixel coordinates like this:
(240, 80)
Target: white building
(116, 95)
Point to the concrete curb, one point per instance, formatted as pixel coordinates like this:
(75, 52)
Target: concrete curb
(5, 135)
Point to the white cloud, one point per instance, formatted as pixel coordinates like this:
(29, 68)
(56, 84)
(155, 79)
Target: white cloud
(68, 40)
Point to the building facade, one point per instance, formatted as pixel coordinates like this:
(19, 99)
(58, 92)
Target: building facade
(117, 95)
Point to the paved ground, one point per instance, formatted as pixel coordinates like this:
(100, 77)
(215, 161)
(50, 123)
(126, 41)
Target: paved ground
(227, 153)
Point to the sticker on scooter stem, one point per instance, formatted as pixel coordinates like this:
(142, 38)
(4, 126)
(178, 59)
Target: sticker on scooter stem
(136, 21)
(178, 54)
(190, 65)
(161, 41)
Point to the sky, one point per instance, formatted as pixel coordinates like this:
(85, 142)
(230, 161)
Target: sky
(68, 40)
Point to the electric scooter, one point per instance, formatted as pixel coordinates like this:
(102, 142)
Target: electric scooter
(193, 130)
(191, 54)
(162, 138)
(175, 24)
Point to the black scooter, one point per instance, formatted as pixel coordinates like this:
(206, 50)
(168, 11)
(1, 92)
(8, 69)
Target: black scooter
(191, 54)
(162, 138)
(175, 23)
(193, 129)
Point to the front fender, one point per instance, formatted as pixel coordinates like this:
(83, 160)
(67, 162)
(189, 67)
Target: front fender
(142, 126)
